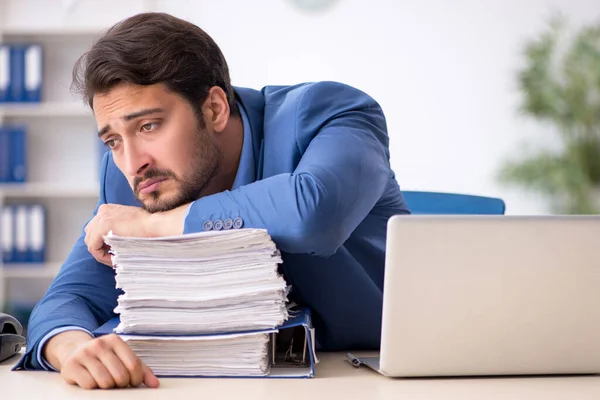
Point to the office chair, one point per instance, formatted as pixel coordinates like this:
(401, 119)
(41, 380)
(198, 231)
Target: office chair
(452, 203)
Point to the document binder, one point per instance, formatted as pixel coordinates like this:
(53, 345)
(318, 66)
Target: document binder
(36, 234)
(34, 73)
(17, 74)
(21, 233)
(7, 238)
(5, 73)
(288, 359)
(21, 73)
(13, 154)
(5, 155)
(18, 154)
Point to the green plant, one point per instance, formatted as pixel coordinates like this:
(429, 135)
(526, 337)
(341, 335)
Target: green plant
(560, 86)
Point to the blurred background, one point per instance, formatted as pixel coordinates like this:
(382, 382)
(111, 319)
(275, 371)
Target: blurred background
(486, 97)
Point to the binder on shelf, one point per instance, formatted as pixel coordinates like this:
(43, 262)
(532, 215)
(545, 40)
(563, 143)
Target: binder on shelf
(5, 155)
(34, 73)
(23, 233)
(36, 234)
(17, 74)
(21, 240)
(13, 154)
(5, 73)
(18, 156)
(291, 355)
(7, 228)
(21, 73)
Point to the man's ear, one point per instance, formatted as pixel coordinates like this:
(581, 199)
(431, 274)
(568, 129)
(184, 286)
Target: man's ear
(216, 109)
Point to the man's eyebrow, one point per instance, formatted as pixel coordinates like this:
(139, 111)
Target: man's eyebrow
(103, 131)
(141, 113)
(130, 117)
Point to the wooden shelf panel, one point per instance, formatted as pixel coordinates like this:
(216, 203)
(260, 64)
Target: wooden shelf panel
(30, 270)
(33, 190)
(49, 109)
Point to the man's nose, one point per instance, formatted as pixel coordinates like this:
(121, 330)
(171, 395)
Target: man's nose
(136, 159)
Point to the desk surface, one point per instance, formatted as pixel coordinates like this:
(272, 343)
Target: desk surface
(335, 379)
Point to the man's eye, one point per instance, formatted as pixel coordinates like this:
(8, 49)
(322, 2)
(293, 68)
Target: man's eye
(150, 126)
(112, 143)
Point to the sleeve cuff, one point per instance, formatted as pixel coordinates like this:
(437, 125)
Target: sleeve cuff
(45, 364)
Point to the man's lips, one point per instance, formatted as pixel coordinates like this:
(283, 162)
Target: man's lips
(150, 185)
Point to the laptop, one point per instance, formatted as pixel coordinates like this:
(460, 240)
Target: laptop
(490, 295)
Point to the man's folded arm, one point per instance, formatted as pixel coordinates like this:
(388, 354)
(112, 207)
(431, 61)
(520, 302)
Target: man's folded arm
(340, 177)
(82, 296)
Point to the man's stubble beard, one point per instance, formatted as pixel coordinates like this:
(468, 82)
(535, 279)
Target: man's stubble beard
(204, 167)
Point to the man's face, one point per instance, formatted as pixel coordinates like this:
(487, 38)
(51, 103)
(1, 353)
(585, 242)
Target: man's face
(157, 143)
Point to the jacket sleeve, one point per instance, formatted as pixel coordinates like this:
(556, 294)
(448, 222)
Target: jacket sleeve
(342, 136)
(83, 294)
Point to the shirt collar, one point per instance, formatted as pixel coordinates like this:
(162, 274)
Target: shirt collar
(246, 172)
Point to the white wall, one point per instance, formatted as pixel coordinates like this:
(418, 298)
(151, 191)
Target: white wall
(444, 71)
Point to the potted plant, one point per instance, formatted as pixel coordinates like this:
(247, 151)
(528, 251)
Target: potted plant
(560, 86)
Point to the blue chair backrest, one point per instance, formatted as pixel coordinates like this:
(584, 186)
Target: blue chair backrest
(452, 203)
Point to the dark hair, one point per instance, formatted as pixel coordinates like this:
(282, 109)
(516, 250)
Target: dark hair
(153, 48)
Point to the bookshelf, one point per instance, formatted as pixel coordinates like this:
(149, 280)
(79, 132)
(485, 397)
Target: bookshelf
(62, 148)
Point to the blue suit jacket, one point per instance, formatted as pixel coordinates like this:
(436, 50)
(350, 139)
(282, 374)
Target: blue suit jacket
(324, 190)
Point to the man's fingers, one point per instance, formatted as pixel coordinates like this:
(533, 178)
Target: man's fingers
(107, 362)
(100, 253)
(99, 372)
(76, 374)
(106, 259)
(150, 380)
(128, 358)
(136, 373)
(96, 243)
(94, 240)
(100, 256)
(115, 368)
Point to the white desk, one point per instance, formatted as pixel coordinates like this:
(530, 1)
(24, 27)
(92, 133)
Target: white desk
(335, 379)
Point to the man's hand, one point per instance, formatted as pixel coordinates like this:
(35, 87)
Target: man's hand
(122, 220)
(132, 222)
(105, 362)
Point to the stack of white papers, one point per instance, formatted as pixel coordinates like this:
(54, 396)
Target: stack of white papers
(207, 282)
(191, 304)
(215, 355)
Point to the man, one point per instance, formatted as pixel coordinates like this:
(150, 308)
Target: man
(188, 152)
